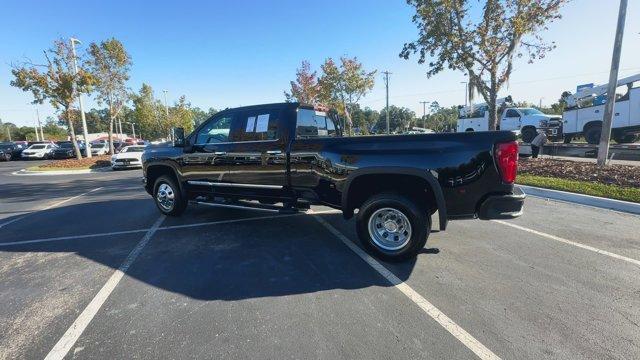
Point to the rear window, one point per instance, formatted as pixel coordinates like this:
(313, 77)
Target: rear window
(313, 124)
(37, 147)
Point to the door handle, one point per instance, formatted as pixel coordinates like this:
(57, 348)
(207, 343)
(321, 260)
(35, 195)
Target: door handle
(617, 114)
(220, 153)
(274, 152)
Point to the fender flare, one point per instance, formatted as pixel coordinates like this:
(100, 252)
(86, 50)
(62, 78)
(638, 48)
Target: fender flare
(395, 170)
(168, 165)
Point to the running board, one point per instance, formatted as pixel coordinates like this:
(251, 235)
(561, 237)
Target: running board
(246, 205)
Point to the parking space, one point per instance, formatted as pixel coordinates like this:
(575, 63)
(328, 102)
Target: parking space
(222, 283)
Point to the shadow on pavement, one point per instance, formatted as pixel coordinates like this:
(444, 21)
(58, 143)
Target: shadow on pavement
(241, 260)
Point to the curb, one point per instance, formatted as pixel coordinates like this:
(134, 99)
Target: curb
(26, 172)
(589, 200)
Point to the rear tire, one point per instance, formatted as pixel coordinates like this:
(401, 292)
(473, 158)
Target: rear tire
(405, 224)
(567, 139)
(592, 134)
(625, 139)
(168, 197)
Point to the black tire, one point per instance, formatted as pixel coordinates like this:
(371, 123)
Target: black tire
(419, 220)
(179, 204)
(567, 139)
(528, 134)
(7, 157)
(625, 139)
(592, 134)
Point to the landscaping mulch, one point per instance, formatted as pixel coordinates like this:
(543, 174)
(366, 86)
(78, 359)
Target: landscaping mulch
(93, 163)
(621, 175)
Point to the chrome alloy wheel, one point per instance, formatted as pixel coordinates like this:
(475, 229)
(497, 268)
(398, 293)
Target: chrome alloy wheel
(389, 228)
(165, 197)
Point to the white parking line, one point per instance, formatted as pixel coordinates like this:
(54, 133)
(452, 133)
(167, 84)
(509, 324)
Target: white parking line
(124, 232)
(454, 329)
(569, 242)
(72, 334)
(49, 207)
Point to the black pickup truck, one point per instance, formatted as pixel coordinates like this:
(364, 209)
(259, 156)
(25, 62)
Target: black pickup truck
(295, 155)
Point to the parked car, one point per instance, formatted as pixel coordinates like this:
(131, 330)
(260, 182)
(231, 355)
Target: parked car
(9, 151)
(65, 150)
(296, 155)
(99, 148)
(39, 151)
(128, 157)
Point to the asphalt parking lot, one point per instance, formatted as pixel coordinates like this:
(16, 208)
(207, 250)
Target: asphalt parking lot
(91, 270)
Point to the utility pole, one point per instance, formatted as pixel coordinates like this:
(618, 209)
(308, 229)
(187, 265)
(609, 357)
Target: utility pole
(36, 127)
(466, 91)
(39, 125)
(605, 134)
(166, 110)
(9, 133)
(85, 133)
(424, 114)
(540, 104)
(386, 82)
(133, 130)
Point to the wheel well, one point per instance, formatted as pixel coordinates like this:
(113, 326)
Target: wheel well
(469, 130)
(591, 124)
(154, 172)
(528, 127)
(411, 186)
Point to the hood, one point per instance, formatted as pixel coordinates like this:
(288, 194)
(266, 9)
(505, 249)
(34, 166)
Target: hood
(128, 155)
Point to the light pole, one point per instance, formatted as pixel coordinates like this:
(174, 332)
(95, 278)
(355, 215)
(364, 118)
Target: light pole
(540, 104)
(133, 129)
(166, 110)
(386, 82)
(85, 133)
(466, 91)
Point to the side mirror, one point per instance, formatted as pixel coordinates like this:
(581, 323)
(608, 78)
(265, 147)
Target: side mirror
(178, 137)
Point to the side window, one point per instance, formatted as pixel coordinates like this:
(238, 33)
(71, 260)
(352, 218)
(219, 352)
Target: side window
(256, 125)
(314, 124)
(215, 131)
(512, 113)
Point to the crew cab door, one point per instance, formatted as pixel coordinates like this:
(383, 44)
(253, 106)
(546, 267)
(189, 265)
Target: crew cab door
(510, 120)
(257, 160)
(206, 161)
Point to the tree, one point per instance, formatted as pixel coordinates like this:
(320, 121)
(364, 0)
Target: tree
(305, 88)
(147, 112)
(53, 131)
(363, 119)
(400, 118)
(57, 82)
(110, 63)
(182, 115)
(451, 35)
(341, 87)
(199, 115)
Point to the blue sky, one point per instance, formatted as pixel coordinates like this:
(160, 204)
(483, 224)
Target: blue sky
(229, 53)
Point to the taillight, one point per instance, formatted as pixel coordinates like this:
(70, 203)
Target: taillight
(507, 160)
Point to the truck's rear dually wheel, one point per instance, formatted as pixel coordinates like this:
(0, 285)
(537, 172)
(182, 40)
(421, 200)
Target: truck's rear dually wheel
(392, 227)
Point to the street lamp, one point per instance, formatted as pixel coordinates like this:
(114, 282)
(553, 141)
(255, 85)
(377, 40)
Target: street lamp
(85, 133)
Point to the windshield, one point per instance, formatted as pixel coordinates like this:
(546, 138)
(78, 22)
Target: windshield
(65, 145)
(133, 149)
(531, 111)
(6, 146)
(37, 147)
(98, 145)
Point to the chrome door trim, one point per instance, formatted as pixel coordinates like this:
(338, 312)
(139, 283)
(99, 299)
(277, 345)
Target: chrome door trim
(253, 186)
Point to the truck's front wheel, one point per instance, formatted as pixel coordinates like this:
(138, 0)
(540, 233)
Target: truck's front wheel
(168, 197)
(392, 227)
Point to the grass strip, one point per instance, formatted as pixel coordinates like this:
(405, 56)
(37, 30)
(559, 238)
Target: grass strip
(582, 187)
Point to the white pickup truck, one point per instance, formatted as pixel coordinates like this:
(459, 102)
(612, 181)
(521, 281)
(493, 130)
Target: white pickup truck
(585, 111)
(525, 121)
